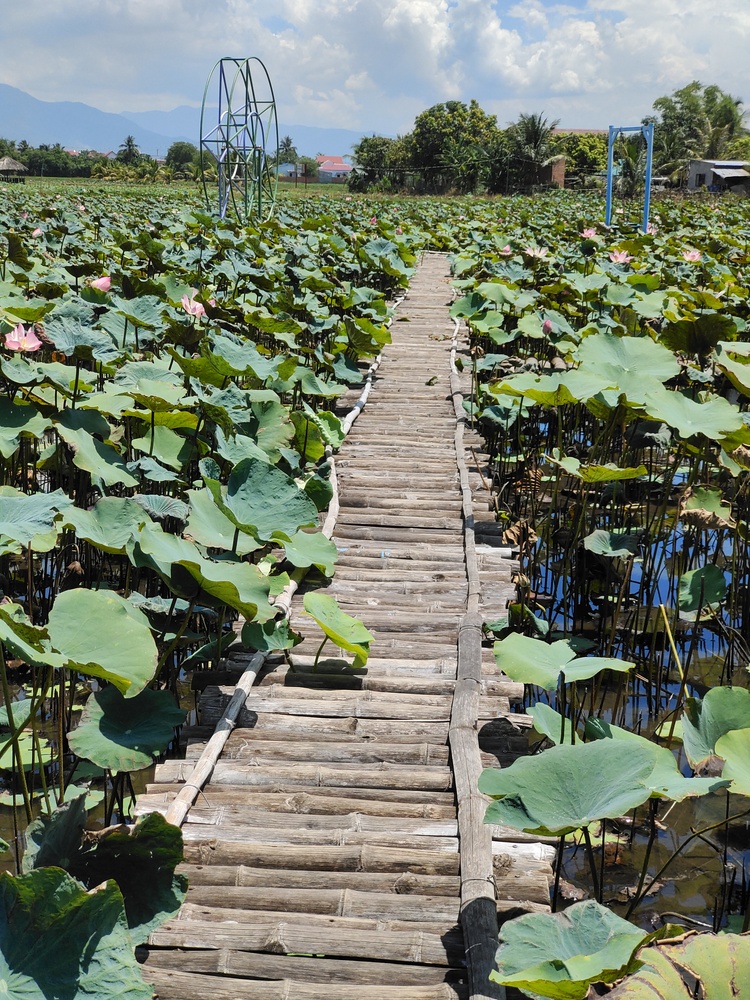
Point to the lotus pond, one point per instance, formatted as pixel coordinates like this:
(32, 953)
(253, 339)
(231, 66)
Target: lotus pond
(165, 373)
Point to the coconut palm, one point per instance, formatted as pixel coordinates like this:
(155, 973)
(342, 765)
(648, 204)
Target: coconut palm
(129, 153)
(531, 145)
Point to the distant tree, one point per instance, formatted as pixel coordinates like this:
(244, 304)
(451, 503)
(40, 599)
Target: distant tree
(694, 122)
(441, 140)
(379, 164)
(530, 139)
(585, 152)
(129, 153)
(287, 151)
(181, 156)
(312, 167)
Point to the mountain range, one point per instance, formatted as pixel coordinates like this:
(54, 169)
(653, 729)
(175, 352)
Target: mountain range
(80, 126)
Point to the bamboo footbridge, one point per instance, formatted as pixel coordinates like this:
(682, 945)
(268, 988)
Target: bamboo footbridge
(333, 829)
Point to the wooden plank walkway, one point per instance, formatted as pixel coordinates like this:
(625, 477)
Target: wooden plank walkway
(338, 850)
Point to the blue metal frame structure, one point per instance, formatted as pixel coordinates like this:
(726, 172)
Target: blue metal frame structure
(243, 143)
(647, 131)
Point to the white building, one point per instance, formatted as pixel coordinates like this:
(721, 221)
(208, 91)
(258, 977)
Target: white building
(719, 175)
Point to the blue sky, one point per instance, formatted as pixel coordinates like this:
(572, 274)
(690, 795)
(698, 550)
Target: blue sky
(372, 65)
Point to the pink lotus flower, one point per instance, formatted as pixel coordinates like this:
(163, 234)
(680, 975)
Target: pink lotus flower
(22, 339)
(539, 252)
(399, 231)
(506, 251)
(547, 326)
(102, 284)
(373, 220)
(692, 255)
(191, 307)
(651, 229)
(37, 232)
(588, 234)
(620, 257)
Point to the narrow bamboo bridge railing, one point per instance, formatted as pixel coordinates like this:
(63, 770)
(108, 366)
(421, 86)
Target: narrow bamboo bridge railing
(335, 848)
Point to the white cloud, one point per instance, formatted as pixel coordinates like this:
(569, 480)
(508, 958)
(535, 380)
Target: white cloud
(374, 64)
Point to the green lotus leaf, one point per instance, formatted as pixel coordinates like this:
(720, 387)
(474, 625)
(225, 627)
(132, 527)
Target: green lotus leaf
(714, 967)
(270, 636)
(365, 337)
(550, 723)
(308, 437)
(271, 426)
(531, 661)
(159, 507)
(347, 632)
(734, 748)
(666, 780)
(701, 588)
(559, 955)
(209, 652)
(109, 524)
(320, 490)
(101, 635)
(598, 473)
(131, 373)
(328, 424)
(707, 508)
(17, 419)
(46, 913)
(585, 667)
(70, 326)
(632, 364)
(238, 446)
(151, 470)
(568, 787)
(699, 334)
(210, 527)
(195, 577)
(94, 456)
(309, 549)
(144, 312)
(142, 860)
(169, 447)
(707, 719)
(613, 544)
(550, 390)
(261, 499)
(125, 734)
(738, 372)
(28, 642)
(29, 519)
(54, 839)
(715, 418)
(28, 752)
(156, 394)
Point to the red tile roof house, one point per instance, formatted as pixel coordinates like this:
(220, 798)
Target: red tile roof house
(333, 169)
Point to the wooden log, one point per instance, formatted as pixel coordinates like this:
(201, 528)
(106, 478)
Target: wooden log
(307, 937)
(370, 753)
(301, 798)
(256, 823)
(171, 984)
(217, 878)
(337, 858)
(385, 776)
(345, 728)
(300, 969)
(195, 832)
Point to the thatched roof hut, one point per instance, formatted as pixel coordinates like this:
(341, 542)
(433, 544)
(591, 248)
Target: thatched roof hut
(10, 166)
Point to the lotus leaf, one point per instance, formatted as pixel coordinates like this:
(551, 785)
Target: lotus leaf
(46, 912)
(714, 967)
(160, 507)
(195, 577)
(96, 457)
(613, 544)
(262, 499)
(699, 589)
(270, 636)
(98, 634)
(17, 419)
(707, 719)
(209, 652)
(169, 447)
(531, 661)
(28, 642)
(29, 519)
(125, 734)
(551, 724)
(559, 955)
(347, 632)
(109, 524)
(716, 418)
(666, 780)
(567, 787)
(734, 748)
(309, 549)
(210, 527)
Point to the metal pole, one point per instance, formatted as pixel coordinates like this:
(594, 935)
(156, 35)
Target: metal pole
(648, 132)
(610, 166)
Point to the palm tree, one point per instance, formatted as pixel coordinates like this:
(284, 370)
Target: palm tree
(287, 151)
(129, 152)
(531, 145)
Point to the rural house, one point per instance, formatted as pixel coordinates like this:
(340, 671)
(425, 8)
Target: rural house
(719, 175)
